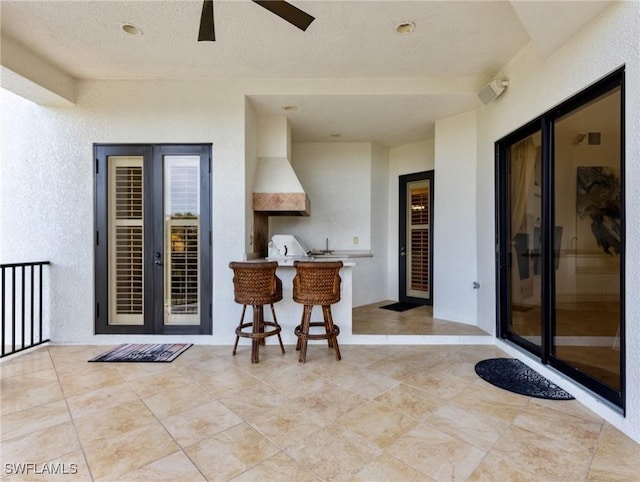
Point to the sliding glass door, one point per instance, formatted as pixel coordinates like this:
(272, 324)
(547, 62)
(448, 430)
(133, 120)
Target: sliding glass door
(588, 205)
(560, 196)
(525, 214)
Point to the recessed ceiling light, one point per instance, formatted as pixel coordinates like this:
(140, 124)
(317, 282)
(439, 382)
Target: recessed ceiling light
(130, 29)
(290, 108)
(335, 135)
(405, 27)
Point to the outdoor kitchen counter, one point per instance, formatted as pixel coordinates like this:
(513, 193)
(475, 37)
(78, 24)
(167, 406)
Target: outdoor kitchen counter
(289, 312)
(288, 262)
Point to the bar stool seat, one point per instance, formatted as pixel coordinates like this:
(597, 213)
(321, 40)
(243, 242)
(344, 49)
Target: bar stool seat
(256, 284)
(317, 283)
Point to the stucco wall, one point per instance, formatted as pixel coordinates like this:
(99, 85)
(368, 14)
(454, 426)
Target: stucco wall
(454, 238)
(370, 275)
(535, 86)
(251, 161)
(343, 181)
(337, 178)
(46, 180)
(407, 159)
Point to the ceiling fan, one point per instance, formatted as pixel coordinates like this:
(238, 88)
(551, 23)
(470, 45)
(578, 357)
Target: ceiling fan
(284, 10)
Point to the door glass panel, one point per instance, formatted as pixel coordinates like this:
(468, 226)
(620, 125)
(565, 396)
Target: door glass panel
(587, 210)
(182, 240)
(525, 201)
(418, 235)
(126, 267)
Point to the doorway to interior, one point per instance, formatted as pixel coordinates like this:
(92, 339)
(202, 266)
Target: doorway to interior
(153, 239)
(415, 259)
(561, 242)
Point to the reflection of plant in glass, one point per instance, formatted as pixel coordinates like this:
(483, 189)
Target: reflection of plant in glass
(186, 215)
(599, 199)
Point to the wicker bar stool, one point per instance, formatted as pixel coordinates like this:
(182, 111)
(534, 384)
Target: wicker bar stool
(317, 283)
(256, 284)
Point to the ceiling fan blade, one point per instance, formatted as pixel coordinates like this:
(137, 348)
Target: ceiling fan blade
(288, 12)
(207, 30)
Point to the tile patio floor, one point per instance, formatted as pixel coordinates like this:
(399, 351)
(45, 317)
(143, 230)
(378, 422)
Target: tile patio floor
(383, 413)
(372, 320)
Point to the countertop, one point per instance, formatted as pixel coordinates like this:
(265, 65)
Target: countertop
(339, 255)
(289, 261)
(342, 254)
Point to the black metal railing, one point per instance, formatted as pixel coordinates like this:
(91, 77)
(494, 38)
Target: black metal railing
(22, 286)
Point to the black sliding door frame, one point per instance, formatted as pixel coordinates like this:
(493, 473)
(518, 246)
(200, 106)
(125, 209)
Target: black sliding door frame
(546, 124)
(504, 257)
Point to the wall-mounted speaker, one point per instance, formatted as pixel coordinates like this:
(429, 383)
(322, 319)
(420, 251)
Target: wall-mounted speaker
(492, 90)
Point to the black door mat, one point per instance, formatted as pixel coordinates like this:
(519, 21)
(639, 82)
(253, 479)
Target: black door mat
(513, 375)
(129, 352)
(401, 306)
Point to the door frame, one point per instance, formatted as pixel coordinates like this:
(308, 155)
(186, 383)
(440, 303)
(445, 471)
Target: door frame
(403, 181)
(153, 320)
(545, 123)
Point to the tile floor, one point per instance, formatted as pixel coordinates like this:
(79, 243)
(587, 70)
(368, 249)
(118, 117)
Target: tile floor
(586, 319)
(382, 413)
(372, 320)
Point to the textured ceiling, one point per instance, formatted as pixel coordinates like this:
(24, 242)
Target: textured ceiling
(347, 39)
(452, 39)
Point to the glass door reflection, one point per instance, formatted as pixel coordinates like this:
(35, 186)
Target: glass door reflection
(525, 185)
(587, 281)
(182, 240)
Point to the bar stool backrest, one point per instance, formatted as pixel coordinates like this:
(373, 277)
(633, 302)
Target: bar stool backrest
(256, 283)
(317, 282)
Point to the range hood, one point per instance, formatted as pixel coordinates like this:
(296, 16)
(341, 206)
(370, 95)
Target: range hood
(277, 190)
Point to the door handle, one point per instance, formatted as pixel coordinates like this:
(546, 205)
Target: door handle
(402, 252)
(158, 260)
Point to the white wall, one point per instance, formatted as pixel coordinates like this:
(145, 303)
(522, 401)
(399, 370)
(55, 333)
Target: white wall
(250, 164)
(337, 179)
(406, 159)
(274, 137)
(46, 180)
(535, 86)
(370, 274)
(346, 183)
(454, 219)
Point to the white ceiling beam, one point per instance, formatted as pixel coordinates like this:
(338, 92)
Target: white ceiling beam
(33, 78)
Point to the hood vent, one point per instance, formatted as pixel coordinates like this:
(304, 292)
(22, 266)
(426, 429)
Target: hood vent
(277, 190)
